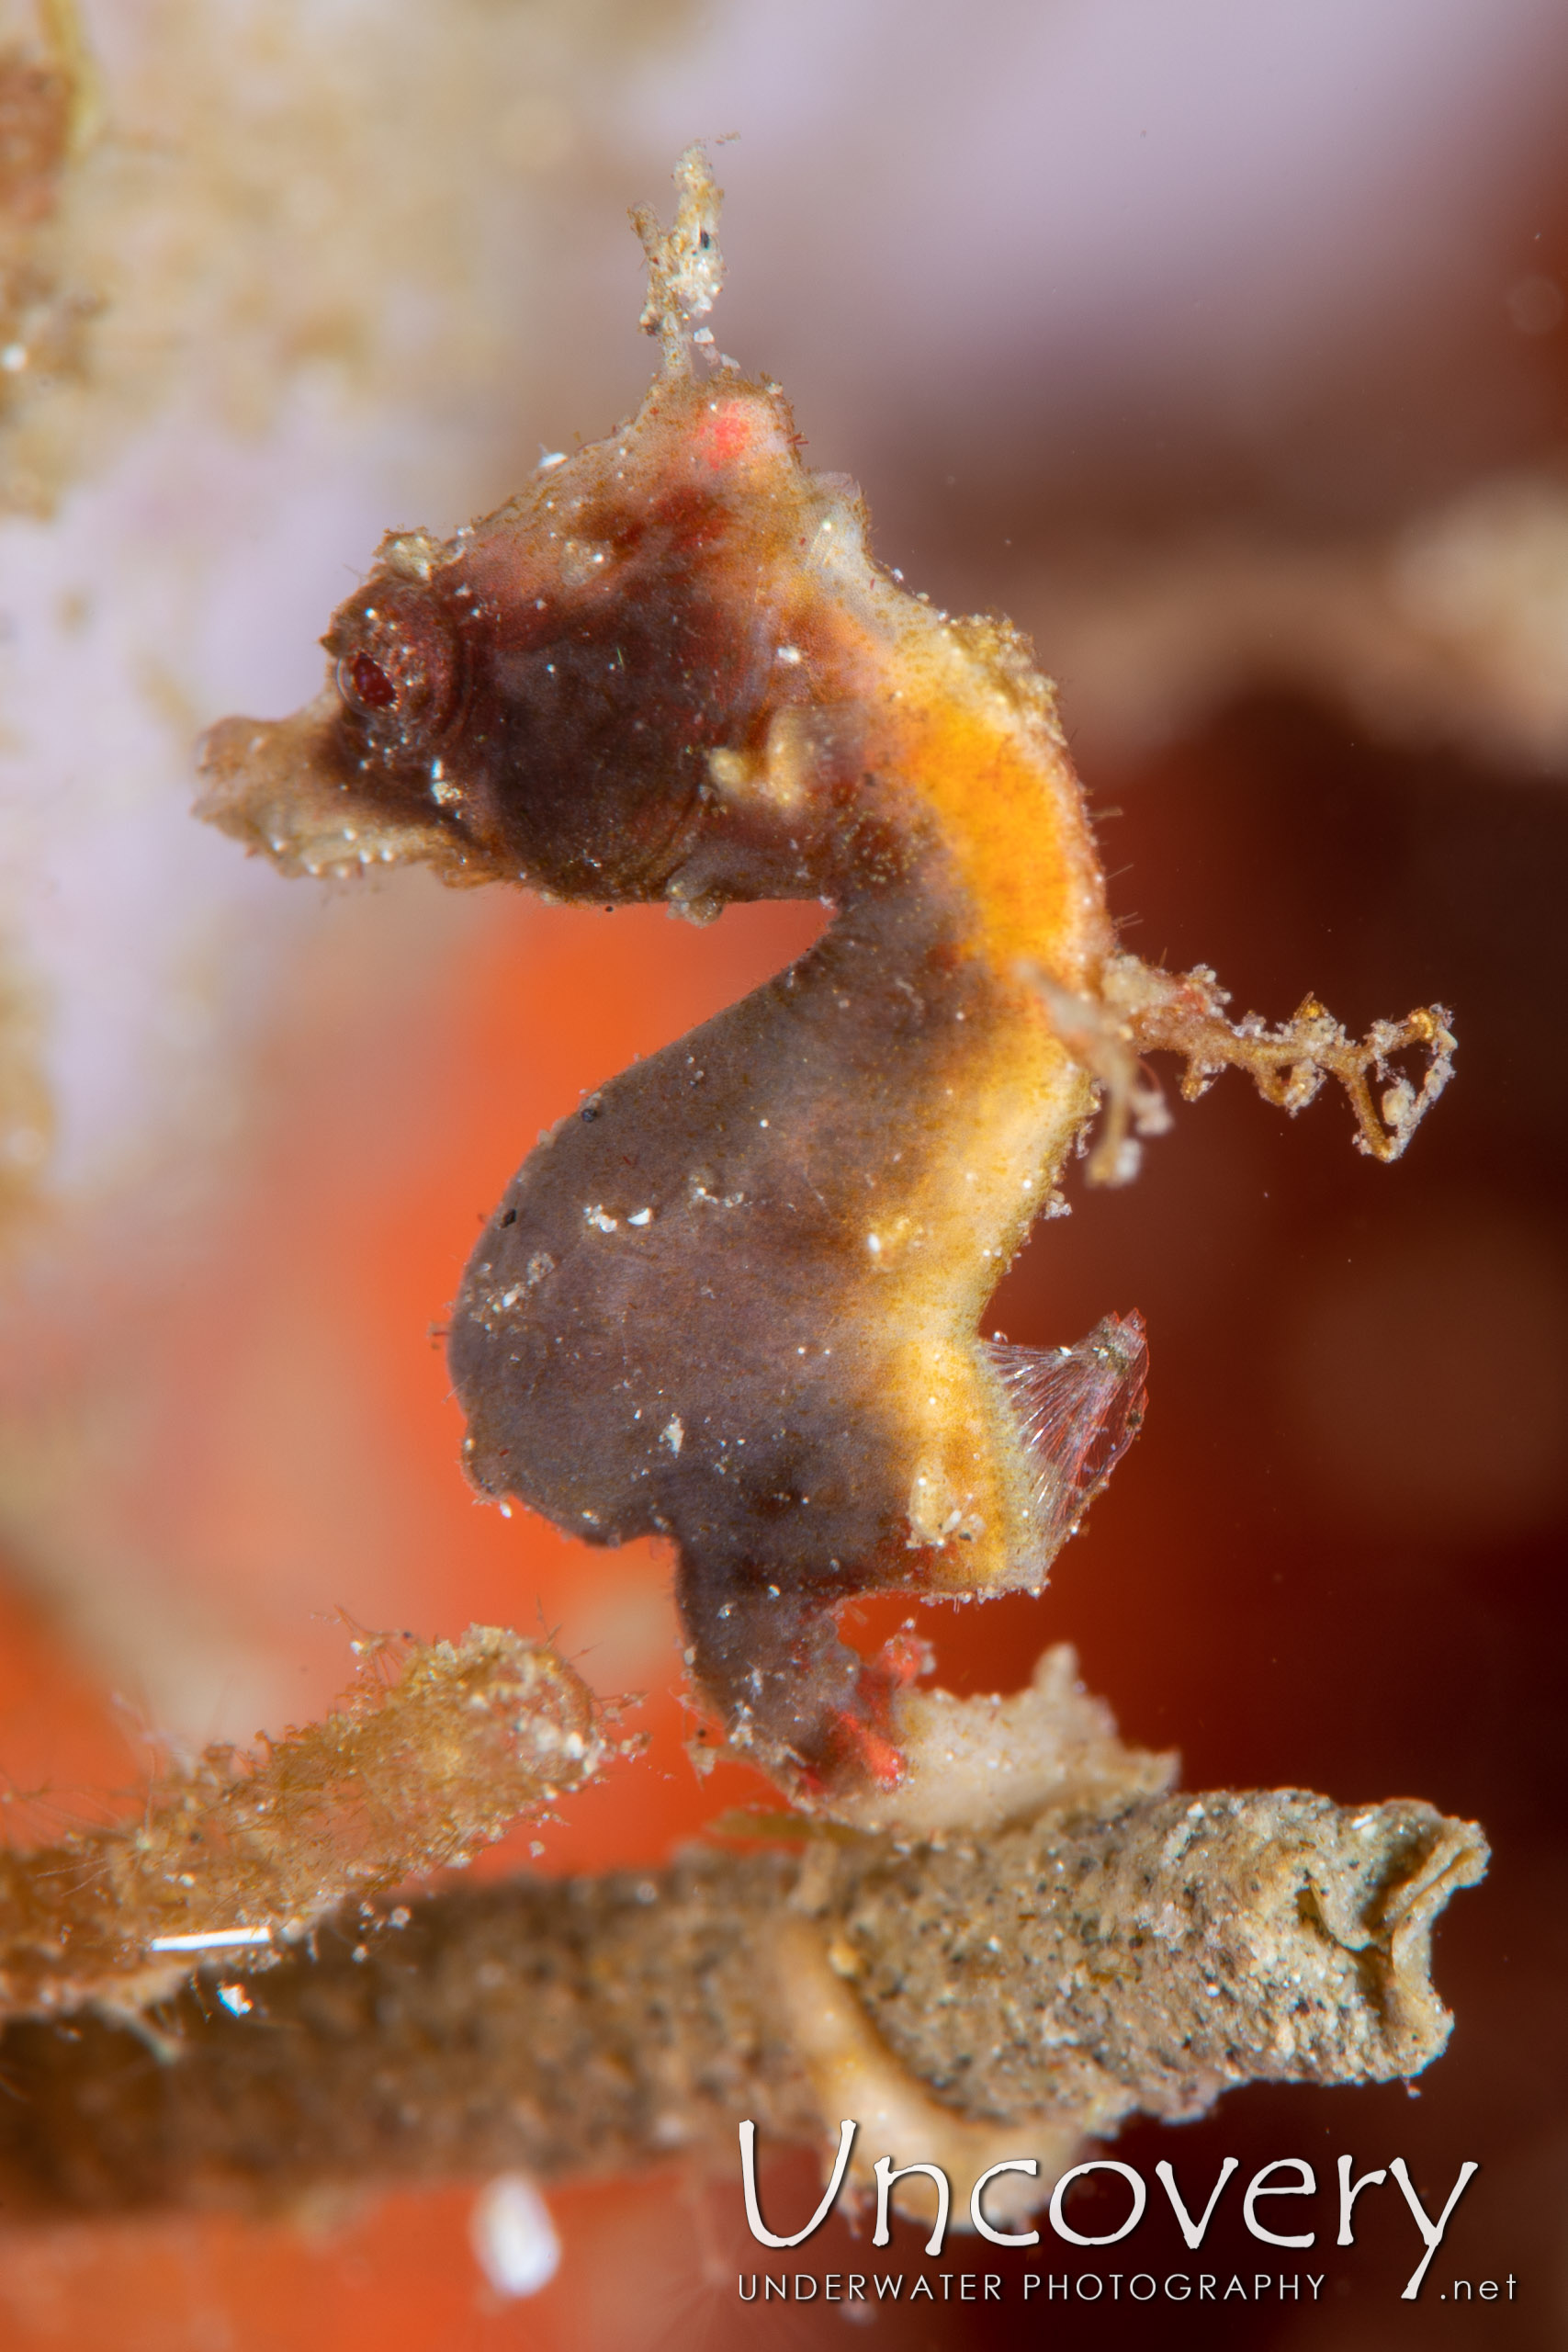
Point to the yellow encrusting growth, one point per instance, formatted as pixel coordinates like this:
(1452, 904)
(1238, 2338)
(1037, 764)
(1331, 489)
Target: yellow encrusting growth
(435, 1751)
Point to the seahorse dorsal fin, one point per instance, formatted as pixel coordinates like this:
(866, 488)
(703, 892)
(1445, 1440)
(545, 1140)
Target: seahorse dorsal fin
(1077, 1411)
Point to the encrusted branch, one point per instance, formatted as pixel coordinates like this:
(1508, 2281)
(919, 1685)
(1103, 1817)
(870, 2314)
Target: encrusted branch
(435, 1751)
(1141, 1009)
(1021, 1989)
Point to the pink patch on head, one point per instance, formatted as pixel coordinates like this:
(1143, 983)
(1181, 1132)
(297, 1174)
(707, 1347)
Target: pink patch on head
(727, 434)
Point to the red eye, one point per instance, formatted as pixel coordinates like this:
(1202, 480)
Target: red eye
(395, 666)
(370, 683)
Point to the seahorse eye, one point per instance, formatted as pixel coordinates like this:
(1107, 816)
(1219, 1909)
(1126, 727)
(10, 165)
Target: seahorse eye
(364, 681)
(395, 662)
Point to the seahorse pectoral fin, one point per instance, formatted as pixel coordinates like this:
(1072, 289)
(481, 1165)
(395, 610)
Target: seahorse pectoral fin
(1076, 1410)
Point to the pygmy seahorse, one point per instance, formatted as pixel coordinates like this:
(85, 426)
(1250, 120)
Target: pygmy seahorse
(735, 1299)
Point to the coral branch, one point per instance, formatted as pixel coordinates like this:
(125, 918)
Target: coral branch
(244, 1856)
(1043, 1982)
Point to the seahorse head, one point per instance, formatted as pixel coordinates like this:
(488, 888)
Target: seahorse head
(620, 685)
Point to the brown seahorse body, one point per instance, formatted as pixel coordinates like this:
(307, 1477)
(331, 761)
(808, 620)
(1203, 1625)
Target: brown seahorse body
(735, 1299)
